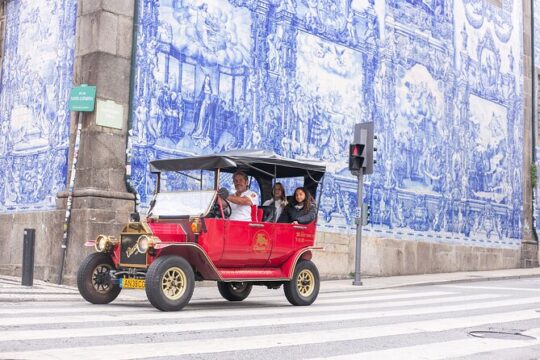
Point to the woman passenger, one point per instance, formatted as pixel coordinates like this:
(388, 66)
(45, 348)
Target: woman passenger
(279, 200)
(303, 211)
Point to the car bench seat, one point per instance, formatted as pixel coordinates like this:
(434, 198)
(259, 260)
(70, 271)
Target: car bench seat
(256, 213)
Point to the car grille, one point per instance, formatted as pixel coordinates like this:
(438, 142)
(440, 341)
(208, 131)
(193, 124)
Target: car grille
(129, 255)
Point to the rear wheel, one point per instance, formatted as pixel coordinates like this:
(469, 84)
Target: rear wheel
(169, 283)
(234, 291)
(303, 288)
(94, 279)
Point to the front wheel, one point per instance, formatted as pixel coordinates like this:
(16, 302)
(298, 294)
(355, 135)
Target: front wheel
(303, 288)
(169, 283)
(94, 279)
(234, 291)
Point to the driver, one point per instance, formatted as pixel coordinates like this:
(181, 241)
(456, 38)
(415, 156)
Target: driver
(243, 199)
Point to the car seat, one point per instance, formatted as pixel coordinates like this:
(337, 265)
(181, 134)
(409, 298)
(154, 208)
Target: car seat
(269, 213)
(256, 213)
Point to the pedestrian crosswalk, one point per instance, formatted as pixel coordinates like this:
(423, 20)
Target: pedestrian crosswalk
(407, 323)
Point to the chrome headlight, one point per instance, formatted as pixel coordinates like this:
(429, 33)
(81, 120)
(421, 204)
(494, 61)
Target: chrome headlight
(102, 243)
(142, 244)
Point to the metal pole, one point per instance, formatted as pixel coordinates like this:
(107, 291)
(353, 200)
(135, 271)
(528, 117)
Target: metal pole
(357, 277)
(67, 219)
(29, 241)
(533, 86)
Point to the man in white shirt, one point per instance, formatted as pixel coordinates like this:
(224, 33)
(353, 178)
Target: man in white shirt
(243, 199)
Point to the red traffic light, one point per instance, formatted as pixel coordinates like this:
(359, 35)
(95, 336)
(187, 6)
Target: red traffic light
(356, 150)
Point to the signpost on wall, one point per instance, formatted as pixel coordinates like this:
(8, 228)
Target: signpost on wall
(81, 99)
(361, 163)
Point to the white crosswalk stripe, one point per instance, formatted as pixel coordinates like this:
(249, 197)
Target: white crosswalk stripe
(265, 311)
(445, 350)
(184, 327)
(210, 327)
(373, 304)
(177, 348)
(490, 288)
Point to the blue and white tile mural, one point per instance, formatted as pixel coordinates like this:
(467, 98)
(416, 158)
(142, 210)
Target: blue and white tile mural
(536, 32)
(36, 77)
(440, 79)
(536, 38)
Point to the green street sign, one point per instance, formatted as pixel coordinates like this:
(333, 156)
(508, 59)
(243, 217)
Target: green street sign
(82, 98)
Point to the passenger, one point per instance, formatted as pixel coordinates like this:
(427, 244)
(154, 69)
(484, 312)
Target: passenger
(303, 211)
(279, 201)
(243, 199)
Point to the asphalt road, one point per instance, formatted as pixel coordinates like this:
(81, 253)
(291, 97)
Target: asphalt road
(423, 322)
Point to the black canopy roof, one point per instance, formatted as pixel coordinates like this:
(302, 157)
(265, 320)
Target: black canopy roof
(258, 163)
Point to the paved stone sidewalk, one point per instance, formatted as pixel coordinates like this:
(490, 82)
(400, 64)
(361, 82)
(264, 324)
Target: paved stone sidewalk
(369, 283)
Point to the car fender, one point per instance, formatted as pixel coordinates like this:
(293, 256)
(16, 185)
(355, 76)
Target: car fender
(289, 266)
(195, 255)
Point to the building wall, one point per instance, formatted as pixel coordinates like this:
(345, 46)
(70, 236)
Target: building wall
(34, 120)
(441, 80)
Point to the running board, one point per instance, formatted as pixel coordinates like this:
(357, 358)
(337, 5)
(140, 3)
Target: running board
(252, 274)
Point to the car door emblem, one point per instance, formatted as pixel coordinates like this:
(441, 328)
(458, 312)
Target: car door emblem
(261, 241)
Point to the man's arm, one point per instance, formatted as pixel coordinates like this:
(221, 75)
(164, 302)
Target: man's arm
(240, 200)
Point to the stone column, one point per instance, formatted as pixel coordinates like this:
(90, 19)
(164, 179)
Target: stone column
(101, 202)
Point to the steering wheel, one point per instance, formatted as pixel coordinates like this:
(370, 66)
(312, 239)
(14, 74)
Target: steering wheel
(215, 212)
(227, 211)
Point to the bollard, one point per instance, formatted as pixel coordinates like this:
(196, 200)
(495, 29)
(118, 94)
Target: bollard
(28, 257)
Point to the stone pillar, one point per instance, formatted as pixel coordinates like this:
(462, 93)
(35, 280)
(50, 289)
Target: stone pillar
(101, 202)
(529, 248)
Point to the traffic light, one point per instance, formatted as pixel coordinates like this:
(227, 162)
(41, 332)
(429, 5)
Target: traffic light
(356, 156)
(363, 145)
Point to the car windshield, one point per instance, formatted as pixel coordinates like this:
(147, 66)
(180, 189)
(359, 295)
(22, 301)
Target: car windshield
(183, 203)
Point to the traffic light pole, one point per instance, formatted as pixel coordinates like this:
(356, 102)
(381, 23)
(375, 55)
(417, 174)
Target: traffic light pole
(357, 277)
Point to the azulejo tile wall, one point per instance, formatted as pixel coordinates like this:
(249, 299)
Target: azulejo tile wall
(34, 119)
(440, 79)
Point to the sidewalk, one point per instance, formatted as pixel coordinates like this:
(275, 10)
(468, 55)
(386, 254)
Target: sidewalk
(207, 288)
(371, 283)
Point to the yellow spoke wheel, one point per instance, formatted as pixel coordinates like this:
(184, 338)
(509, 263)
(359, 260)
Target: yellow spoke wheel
(305, 282)
(173, 283)
(303, 288)
(170, 281)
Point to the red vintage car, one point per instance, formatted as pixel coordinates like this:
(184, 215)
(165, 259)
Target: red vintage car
(187, 236)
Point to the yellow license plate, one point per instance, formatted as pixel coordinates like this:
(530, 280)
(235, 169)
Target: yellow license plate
(133, 283)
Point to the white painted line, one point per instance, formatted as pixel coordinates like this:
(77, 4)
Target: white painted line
(14, 297)
(76, 308)
(127, 300)
(38, 298)
(354, 292)
(18, 335)
(445, 350)
(260, 294)
(490, 288)
(29, 290)
(383, 297)
(190, 314)
(178, 348)
(71, 308)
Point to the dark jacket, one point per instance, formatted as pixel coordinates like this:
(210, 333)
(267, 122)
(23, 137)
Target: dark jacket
(290, 214)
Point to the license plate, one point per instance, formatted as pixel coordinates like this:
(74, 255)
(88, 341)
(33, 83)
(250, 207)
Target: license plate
(133, 283)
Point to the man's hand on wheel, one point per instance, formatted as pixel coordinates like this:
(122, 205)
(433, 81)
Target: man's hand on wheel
(223, 193)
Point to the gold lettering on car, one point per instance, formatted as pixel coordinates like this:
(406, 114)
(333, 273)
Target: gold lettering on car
(131, 250)
(261, 242)
(302, 236)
